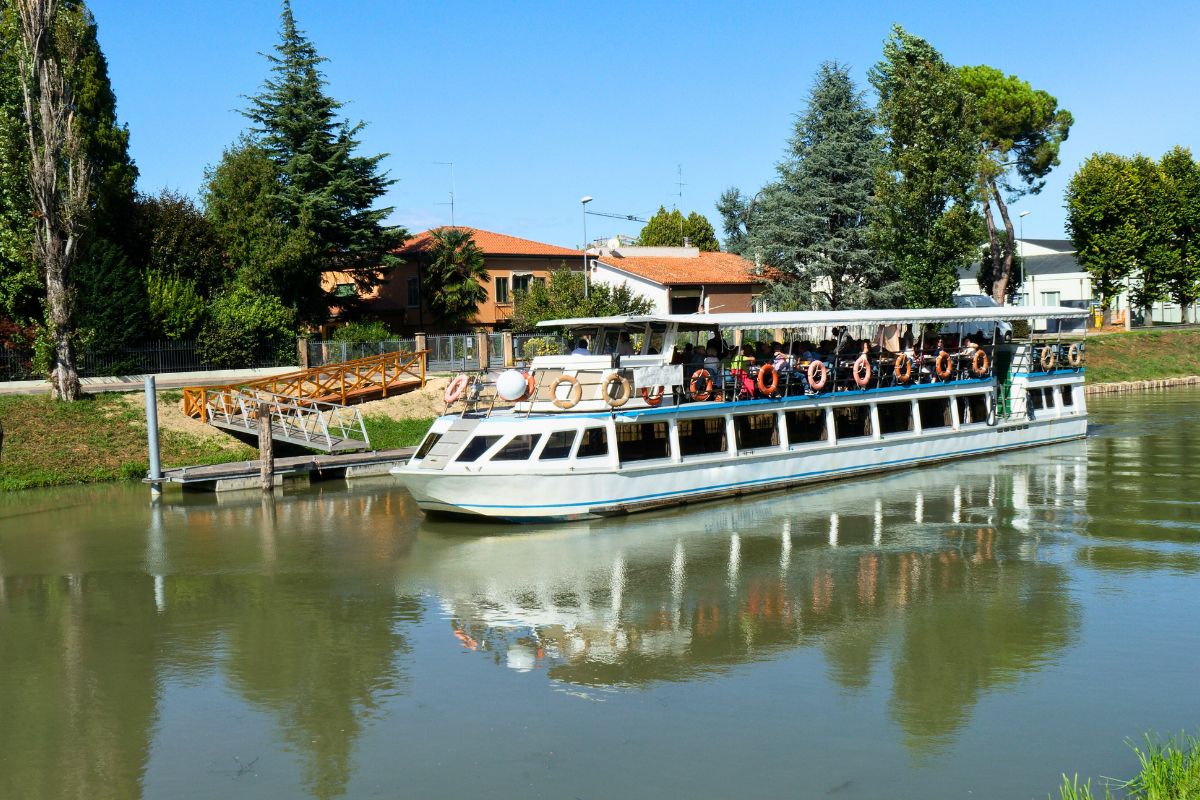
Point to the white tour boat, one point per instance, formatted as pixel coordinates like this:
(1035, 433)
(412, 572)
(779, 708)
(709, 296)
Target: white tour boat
(669, 413)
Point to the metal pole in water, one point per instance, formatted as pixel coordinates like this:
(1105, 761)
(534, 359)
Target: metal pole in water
(152, 436)
(266, 455)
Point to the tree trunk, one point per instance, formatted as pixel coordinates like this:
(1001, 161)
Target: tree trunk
(1006, 268)
(999, 278)
(59, 174)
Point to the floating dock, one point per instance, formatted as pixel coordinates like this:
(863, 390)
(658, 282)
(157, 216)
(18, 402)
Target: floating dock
(240, 475)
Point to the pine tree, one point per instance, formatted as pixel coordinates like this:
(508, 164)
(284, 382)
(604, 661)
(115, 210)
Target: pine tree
(924, 219)
(324, 189)
(811, 223)
(671, 228)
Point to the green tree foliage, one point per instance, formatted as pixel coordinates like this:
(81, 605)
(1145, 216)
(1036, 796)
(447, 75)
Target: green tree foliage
(176, 307)
(323, 193)
(20, 286)
(924, 220)
(113, 306)
(1021, 130)
(811, 222)
(670, 228)
(246, 327)
(1175, 249)
(455, 275)
(1106, 209)
(175, 238)
(734, 209)
(562, 298)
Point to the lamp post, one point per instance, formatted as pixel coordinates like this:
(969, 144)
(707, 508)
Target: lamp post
(1021, 254)
(583, 201)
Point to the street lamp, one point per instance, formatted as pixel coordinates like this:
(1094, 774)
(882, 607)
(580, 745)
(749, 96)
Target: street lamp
(1021, 254)
(583, 201)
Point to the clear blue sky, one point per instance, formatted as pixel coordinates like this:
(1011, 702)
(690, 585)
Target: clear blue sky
(538, 104)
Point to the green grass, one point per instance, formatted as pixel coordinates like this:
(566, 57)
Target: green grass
(1143, 355)
(1167, 771)
(389, 434)
(97, 438)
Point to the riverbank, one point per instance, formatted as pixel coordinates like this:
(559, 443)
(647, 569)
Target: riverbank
(102, 437)
(1143, 355)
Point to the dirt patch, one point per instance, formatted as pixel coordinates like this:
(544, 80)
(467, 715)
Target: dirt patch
(417, 404)
(172, 418)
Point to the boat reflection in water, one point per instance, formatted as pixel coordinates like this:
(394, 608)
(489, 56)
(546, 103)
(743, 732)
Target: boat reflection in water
(911, 570)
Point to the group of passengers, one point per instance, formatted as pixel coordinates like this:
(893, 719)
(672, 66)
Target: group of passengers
(734, 369)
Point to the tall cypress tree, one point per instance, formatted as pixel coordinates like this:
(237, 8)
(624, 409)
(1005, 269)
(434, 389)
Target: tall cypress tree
(811, 223)
(924, 219)
(325, 190)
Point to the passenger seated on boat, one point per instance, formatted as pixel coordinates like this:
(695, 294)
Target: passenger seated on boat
(581, 348)
(624, 345)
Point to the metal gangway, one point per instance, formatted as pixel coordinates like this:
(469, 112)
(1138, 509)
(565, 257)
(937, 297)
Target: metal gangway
(315, 424)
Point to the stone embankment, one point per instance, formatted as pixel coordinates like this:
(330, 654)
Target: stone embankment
(1141, 386)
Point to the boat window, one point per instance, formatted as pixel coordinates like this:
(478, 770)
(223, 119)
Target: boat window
(1049, 392)
(972, 408)
(806, 425)
(594, 443)
(852, 421)
(476, 447)
(756, 430)
(895, 417)
(935, 413)
(427, 445)
(1068, 396)
(642, 441)
(1034, 398)
(518, 448)
(558, 445)
(701, 436)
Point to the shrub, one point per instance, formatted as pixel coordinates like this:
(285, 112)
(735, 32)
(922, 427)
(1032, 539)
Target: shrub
(176, 307)
(245, 328)
(360, 332)
(541, 346)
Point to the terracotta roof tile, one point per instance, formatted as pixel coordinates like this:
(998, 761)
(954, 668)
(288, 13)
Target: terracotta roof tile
(707, 268)
(492, 244)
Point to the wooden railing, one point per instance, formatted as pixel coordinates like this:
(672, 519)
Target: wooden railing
(342, 382)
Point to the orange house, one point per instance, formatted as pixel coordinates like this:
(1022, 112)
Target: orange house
(512, 264)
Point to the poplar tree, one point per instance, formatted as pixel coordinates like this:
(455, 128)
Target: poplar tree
(811, 223)
(325, 191)
(924, 218)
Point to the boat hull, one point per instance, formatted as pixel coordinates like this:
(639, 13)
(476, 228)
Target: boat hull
(591, 494)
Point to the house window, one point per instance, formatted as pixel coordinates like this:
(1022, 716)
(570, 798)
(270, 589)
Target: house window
(414, 292)
(520, 283)
(344, 290)
(1051, 298)
(502, 291)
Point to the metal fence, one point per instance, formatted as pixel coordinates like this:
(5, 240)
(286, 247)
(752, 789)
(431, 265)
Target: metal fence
(16, 365)
(143, 359)
(320, 353)
(452, 352)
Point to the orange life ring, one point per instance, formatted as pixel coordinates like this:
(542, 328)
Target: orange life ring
(623, 396)
(862, 370)
(530, 387)
(693, 386)
(815, 366)
(764, 372)
(903, 370)
(1049, 358)
(653, 398)
(455, 389)
(571, 399)
(1075, 356)
(979, 363)
(942, 366)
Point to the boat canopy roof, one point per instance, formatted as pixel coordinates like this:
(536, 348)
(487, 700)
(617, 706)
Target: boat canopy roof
(807, 319)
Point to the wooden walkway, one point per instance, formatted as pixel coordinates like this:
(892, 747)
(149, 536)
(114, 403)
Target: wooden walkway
(343, 382)
(245, 474)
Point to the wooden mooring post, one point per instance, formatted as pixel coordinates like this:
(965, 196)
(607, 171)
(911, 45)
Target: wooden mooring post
(266, 450)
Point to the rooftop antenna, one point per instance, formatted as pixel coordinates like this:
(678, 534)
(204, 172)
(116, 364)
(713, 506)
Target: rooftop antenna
(680, 184)
(449, 164)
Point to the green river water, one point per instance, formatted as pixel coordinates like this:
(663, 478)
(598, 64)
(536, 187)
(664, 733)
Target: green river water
(970, 630)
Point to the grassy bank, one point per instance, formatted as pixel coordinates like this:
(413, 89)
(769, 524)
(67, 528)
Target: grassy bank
(103, 438)
(98, 438)
(1167, 771)
(1143, 355)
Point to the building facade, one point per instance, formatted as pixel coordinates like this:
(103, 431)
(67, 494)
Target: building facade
(681, 280)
